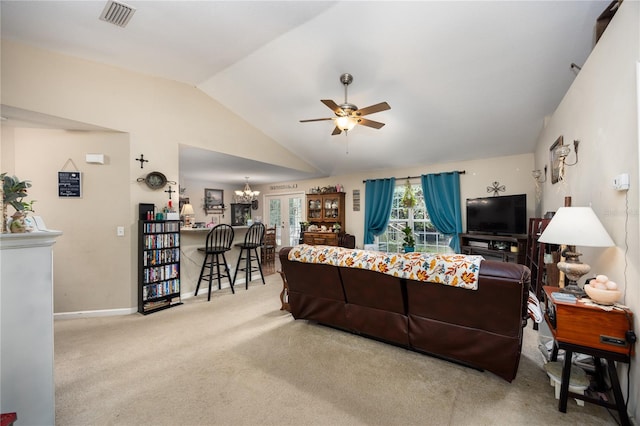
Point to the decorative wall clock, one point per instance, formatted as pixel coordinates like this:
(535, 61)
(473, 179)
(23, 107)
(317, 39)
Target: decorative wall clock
(155, 180)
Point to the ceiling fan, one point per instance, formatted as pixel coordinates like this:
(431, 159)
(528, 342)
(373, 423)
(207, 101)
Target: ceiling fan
(347, 114)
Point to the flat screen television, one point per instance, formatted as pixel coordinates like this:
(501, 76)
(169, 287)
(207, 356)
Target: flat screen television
(497, 215)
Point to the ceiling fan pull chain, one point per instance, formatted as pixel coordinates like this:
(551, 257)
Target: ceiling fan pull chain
(346, 134)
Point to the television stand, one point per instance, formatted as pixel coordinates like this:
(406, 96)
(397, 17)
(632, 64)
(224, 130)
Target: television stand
(503, 248)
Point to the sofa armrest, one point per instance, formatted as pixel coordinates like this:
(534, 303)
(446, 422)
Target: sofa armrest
(347, 241)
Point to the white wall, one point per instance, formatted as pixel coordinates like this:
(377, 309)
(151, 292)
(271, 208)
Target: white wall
(194, 190)
(601, 110)
(157, 115)
(93, 268)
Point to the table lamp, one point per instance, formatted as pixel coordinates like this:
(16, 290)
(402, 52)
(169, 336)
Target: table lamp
(187, 212)
(575, 226)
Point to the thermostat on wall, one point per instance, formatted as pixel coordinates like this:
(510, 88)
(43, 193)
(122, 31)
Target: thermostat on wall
(621, 182)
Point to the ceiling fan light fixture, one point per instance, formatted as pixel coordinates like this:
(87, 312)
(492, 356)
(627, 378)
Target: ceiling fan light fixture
(346, 123)
(347, 114)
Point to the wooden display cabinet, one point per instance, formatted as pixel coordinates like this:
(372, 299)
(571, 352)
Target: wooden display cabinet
(320, 238)
(240, 213)
(324, 210)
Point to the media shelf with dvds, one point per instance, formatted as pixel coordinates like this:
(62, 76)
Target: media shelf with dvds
(158, 265)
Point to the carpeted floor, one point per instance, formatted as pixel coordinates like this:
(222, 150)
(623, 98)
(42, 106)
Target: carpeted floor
(239, 360)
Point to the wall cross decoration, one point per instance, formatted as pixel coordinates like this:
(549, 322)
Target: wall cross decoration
(496, 188)
(170, 191)
(142, 161)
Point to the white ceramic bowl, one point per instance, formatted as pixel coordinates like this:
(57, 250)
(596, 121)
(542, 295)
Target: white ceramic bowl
(604, 297)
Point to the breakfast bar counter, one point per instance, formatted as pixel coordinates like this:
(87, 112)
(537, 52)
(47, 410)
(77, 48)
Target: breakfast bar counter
(191, 259)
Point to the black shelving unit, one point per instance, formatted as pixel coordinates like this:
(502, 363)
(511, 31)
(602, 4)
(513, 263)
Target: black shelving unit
(541, 274)
(158, 265)
(503, 248)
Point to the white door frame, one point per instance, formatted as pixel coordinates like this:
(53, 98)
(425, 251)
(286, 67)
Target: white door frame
(282, 229)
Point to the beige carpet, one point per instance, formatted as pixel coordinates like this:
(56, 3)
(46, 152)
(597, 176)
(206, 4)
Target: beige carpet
(239, 360)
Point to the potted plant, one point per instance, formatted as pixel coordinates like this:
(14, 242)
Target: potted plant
(409, 243)
(408, 199)
(13, 192)
(336, 227)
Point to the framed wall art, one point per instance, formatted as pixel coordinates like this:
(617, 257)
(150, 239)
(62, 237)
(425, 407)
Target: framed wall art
(213, 199)
(554, 160)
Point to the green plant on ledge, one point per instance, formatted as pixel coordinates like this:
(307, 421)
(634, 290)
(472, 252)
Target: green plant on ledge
(409, 243)
(13, 192)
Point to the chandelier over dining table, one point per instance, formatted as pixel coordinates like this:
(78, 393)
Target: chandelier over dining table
(246, 195)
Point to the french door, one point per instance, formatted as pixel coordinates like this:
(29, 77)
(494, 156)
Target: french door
(285, 212)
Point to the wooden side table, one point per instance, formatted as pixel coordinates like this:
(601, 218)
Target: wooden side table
(284, 294)
(581, 328)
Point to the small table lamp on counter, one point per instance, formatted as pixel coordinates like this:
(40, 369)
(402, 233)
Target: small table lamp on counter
(575, 226)
(187, 212)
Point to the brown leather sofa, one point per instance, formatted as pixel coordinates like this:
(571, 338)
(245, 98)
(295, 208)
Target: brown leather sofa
(480, 328)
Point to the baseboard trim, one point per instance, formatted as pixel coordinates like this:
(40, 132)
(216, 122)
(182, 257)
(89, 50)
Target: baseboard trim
(133, 310)
(92, 314)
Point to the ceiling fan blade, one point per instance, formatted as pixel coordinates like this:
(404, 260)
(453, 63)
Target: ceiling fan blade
(316, 119)
(333, 106)
(370, 123)
(336, 131)
(382, 106)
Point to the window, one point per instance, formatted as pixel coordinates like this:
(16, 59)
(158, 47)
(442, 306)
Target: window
(428, 239)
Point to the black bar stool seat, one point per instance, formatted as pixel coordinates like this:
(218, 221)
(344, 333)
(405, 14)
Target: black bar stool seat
(219, 241)
(249, 253)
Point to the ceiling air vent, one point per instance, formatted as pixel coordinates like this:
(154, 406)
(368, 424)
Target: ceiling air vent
(117, 13)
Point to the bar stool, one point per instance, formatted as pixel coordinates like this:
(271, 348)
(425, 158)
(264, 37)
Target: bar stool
(249, 253)
(268, 251)
(219, 241)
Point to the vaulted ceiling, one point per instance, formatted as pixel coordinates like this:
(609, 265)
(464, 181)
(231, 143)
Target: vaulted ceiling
(464, 80)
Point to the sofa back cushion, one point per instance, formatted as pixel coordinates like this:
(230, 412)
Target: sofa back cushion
(498, 305)
(373, 290)
(313, 279)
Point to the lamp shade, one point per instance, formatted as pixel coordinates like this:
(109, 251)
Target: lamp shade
(576, 226)
(187, 209)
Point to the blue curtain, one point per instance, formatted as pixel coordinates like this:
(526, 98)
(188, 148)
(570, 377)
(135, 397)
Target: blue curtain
(378, 197)
(442, 199)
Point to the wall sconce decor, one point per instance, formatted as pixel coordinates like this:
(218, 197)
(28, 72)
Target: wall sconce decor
(563, 152)
(558, 156)
(537, 174)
